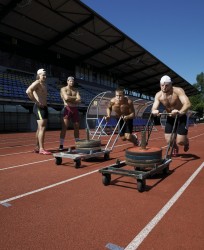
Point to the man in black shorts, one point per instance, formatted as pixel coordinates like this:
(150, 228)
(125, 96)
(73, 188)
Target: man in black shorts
(37, 92)
(175, 102)
(123, 107)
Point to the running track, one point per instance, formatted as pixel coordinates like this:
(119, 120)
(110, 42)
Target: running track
(45, 206)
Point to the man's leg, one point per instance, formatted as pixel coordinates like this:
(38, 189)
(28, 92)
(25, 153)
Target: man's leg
(75, 120)
(65, 124)
(182, 138)
(168, 131)
(175, 146)
(76, 131)
(186, 146)
(41, 136)
(183, 141)
(128, 133)
(132, 138)
(35, 111)
(36, 149)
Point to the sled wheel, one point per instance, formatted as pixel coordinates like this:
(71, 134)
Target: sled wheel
(166, 171)
(77, 163)
(58, 160)
(137, 168)
(141, 185)
(106, 179)
(117, 163)
(106, 156)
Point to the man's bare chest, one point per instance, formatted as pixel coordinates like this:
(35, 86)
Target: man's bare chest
(169, 101)
(70, 92)
(41, 90)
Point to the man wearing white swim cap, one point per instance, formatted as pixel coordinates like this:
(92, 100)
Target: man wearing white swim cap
(37, 92)
(175, 102)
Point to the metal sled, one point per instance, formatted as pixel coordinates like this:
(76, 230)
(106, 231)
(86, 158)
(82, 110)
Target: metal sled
(139, 175)
(77, 155)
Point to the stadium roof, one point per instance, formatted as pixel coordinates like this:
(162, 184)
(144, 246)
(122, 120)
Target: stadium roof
(69, 33)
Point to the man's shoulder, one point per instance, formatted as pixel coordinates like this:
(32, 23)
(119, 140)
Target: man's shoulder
(127, 99)
(35, 84)
(112, 100)
(158, 94)
(64, 87)
(177, 89)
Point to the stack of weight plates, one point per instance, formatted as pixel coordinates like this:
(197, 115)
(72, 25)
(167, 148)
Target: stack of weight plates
(143, 158)
(88, 146)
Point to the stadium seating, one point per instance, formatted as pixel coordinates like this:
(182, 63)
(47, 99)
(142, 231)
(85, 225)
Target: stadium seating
(14, 85)
(139, 123)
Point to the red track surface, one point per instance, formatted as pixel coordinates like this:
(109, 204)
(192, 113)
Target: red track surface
(44, 206)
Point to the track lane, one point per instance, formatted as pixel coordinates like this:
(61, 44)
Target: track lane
(84, 214)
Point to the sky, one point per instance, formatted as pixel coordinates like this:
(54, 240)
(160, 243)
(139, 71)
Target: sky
(172, 31)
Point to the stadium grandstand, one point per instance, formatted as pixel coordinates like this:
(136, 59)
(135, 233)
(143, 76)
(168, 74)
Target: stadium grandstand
(68, 38)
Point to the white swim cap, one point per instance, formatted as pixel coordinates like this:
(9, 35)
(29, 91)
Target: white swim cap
(41, 71)
(165, 79)
(70, 78)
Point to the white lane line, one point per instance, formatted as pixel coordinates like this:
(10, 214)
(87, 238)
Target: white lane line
(23, 152)
(120, 145)
(135, 243)
(22, 165)
(31, 163)
(36, 162)
(26, 152)
(25, 145)
(47, 187)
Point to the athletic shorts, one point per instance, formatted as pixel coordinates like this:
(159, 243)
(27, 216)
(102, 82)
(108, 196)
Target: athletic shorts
(71, 113)
(128, 127)
(181, 125)
(41, 113)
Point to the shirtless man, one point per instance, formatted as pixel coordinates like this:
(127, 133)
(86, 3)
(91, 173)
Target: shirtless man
(175, 102)
(71, 99)
(37, 92)
(123, 106)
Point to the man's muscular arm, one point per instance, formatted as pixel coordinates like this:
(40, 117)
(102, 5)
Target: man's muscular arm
(78, 98)
(155, 105)
(184, 100)
(66, 97)
(132, 111)
(33, 87)
(109, 109)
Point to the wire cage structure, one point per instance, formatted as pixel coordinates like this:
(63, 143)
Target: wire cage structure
(96, 112)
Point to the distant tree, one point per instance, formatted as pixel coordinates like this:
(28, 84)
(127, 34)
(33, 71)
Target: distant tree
(198, 100)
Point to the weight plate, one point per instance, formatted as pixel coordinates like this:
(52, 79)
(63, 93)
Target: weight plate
(143, 158)
(88, 144)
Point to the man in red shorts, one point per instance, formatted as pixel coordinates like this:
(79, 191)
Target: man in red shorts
(71, 99)
(37, 92)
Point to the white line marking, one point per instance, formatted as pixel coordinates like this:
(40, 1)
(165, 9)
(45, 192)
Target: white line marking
(31, 163)
(135, 243)
(21, 146)
(22, 165)
(116, 146)
(25, 152)
(47, 187)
